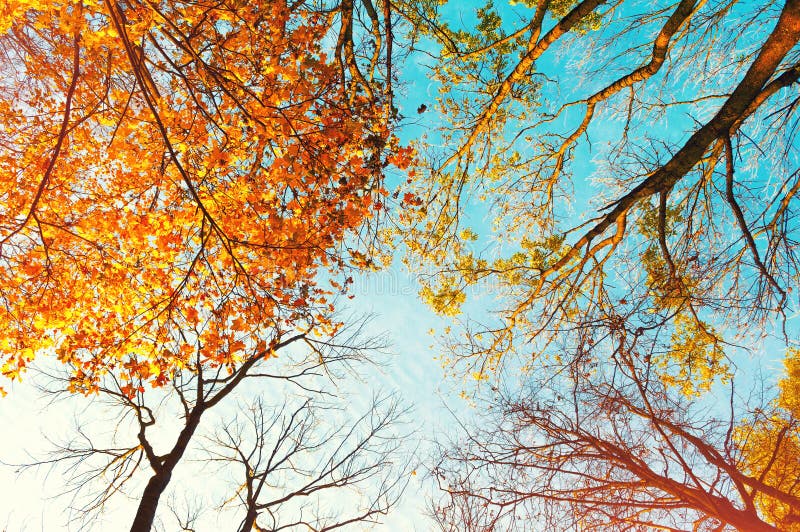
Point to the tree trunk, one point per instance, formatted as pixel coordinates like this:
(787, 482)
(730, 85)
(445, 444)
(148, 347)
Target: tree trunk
(751, 523)
(149, 501)
(146, 512)
(249, 520)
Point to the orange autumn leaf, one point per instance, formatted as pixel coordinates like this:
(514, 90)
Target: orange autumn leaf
(172, 173)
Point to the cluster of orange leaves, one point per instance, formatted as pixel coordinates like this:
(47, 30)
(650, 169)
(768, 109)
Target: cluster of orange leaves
(174, 176)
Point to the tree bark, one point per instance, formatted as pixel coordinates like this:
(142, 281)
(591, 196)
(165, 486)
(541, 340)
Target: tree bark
(782, 39)
(146, 512)
(249, 520)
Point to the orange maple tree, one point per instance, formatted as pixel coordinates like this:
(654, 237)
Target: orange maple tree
(175, 176)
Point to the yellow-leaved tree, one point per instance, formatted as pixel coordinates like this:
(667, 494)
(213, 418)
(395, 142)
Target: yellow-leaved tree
(770, 444)
(638, 167)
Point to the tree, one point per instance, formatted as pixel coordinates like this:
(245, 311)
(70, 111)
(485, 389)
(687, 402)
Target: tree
(182, 174)
(770, 446)
(186, 188)
(671, 232)
(613, 448)
(290, 455)
(639, 167)
(292, 466)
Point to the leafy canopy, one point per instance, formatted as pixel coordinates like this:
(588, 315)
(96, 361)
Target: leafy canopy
(176, 178)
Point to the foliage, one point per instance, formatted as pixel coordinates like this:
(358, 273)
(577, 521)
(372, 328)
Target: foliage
(186, 189)
(179, 177)
(770, 443)
(668, 235)
(639, 166)
(274, 457)
(605, 447)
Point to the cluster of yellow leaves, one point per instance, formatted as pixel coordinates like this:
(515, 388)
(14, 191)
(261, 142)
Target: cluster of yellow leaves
(771, 449)
(445, 298)
(789, 398)
(696, 359)
(168, 195)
